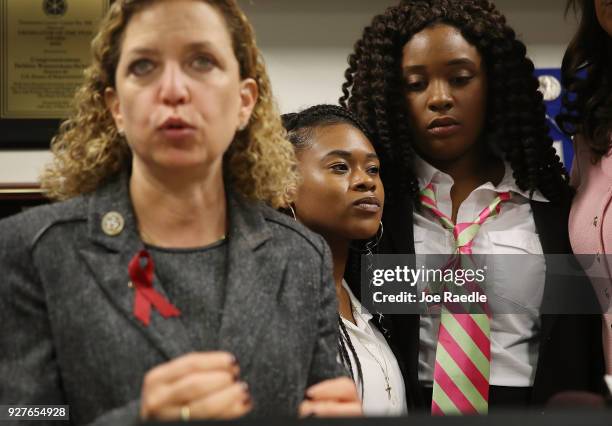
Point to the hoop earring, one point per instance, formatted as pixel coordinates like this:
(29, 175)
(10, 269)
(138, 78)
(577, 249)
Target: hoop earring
(379, 235)
(293, 212)
(369, 245)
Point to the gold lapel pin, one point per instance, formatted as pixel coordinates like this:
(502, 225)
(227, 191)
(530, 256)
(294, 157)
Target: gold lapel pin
(112, 224)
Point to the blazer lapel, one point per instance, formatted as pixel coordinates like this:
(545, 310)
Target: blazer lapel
(549, 218)
(253, 280)
(108, 257)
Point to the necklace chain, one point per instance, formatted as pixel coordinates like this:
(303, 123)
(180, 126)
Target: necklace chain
(385, 369)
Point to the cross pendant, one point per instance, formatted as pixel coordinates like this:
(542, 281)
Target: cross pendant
(388, 388)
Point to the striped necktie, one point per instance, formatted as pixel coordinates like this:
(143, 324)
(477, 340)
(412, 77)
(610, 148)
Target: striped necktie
(463, 353)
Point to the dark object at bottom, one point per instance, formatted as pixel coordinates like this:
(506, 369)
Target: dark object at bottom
(500, 397)
(502, 418)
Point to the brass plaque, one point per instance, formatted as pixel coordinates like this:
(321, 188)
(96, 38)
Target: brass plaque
(45, 45)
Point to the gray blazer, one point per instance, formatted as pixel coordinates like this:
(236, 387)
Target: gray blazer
(68, 334)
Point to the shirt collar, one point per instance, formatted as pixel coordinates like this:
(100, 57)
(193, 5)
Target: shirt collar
(427, 173)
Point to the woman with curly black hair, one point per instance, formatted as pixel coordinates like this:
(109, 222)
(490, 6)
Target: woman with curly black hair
(587, 116)
(341, 197)
(460, 128)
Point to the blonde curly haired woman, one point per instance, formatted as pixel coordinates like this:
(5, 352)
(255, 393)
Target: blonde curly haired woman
(161, 287)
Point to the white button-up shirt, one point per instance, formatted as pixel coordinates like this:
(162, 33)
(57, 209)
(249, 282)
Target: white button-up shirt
(514, 337)
(377, 359)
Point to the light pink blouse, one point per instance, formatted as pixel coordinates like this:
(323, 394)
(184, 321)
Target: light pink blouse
(590, 227)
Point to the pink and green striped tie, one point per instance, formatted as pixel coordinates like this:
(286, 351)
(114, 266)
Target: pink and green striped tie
(463, 353)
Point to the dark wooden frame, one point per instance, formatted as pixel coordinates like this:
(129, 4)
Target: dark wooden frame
(27, 133)
(16, 197)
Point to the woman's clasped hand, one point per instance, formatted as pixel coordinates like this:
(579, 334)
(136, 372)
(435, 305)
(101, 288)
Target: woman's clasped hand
(201, 385)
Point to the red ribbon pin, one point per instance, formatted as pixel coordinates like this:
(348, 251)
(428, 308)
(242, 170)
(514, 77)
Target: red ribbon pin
(146, 295)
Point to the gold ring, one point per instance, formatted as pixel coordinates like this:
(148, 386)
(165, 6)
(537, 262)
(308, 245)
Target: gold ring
(185, 413)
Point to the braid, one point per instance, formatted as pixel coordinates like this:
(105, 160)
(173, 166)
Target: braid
(346, 360)
(345, 356)
(516, 123)
(300, 126)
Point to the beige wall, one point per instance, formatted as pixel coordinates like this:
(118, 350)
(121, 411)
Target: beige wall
(306, 44)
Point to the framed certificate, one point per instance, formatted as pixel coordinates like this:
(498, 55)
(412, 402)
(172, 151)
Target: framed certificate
(44, 48)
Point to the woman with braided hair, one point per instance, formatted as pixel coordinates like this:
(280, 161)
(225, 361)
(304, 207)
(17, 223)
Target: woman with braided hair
(341, 198)
(460, 130)
(587, 117)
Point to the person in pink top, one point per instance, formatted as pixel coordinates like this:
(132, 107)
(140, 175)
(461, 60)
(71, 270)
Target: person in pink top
(587, 116)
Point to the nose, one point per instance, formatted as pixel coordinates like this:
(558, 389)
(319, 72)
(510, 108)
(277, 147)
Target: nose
(440, 99)
(174, 88)
(363, 181)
